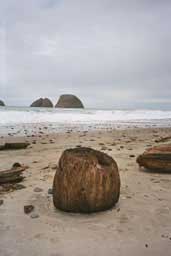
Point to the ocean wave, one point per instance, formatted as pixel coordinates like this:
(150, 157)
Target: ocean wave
(29, 121)
(31, 116)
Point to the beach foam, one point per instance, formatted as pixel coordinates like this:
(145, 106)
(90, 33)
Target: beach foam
(29, 115)
(63, 119)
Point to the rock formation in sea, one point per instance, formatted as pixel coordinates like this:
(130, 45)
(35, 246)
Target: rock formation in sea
(86, 180)
(157, 158)
(69, 101)
(42, 102)
(2, 103)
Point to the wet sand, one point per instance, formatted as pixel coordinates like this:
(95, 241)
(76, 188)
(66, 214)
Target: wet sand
(140, 224)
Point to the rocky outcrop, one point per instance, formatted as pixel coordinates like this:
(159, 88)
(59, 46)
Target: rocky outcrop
(44, 103)
(156, 158)
(2, 103)
(86, 180)
(69, 101)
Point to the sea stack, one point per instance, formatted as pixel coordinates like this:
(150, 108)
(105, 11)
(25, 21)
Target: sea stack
(2, 104)
(42, 103)
(86, 181)
(69, 101)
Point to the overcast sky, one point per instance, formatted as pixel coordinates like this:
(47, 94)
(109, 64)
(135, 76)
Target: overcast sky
(109, 53)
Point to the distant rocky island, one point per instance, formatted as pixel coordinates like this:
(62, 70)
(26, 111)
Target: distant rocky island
(42, 102)
(2, 103)
(65, 101)
(69, 101)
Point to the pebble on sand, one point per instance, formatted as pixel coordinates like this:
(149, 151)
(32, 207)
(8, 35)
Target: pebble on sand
(38, 189)
(50, 191)
(34, 215)
(28, 208)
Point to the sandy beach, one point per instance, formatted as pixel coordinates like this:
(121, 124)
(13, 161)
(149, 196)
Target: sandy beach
(140, 224)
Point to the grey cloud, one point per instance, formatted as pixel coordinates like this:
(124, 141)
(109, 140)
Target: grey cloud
(110, 53)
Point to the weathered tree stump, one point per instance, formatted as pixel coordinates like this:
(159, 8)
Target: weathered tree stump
(156, 158)
(86, 180)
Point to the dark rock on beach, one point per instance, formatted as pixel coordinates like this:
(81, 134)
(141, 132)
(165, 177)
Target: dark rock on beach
(2, 104)
(69, 101)
(50, 191)
(86, 180)
(28, 208)
(156, 158)
(16, 165)
(42, 102)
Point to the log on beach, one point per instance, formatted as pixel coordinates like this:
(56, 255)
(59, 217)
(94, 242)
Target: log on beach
(14, 145)
(12, 175)
(156, 158)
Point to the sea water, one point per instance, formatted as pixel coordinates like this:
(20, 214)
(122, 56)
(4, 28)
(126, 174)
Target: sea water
(17, 120)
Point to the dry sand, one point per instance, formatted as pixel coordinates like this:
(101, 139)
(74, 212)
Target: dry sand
(140, 224)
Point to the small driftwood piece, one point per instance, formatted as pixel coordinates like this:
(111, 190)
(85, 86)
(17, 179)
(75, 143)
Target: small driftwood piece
(12, 175)
(163, 139)
(14, 145)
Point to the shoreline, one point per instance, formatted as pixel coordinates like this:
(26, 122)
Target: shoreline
(156, 132)
(43, 131)
(28, 121)
(139, 224)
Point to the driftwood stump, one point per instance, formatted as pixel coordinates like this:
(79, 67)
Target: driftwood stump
(86, 180)
(156, 158)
